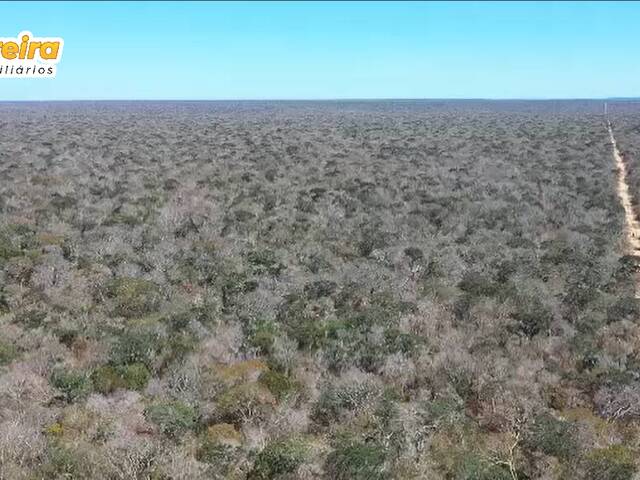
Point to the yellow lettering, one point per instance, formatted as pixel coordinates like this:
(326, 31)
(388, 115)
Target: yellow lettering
(33, 46)
(23, 47)
(49, 50)
(10, 50)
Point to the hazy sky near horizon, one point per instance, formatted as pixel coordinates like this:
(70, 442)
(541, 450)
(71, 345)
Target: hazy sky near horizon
(291, 50)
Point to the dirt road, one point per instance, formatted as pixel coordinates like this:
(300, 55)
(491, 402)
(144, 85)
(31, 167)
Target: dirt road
(632, 226)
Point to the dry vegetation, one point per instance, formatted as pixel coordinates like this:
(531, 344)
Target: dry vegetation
(625, 119)
(362, 291)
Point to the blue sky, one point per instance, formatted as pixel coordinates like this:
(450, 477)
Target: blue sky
(331, 50)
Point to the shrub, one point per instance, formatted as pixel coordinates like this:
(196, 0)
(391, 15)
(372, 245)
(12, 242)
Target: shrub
(320, 288)
(240, 372)
(265, 261)
(354, 459)
(578, 295)
(244, 401)
(385, 425)
(8, 248)
(370, 241)
(347, 343)
(306, 328)
(4, 303)
(135, 346)
(54, 430)
(474, 467)
(278, 458)
(200, 264)
(177, 346)
(7, 352)
(263, 336)
(233, 284)
(15, 240)
(73, 385)
(414, 253)
(385, 306)
(552, 437)
(59, 462)
(107, 379)
(625, 307)
(241, 216)
(133, 297)
(207, 312)
(478, 285)
(532, 316)
(223, 434)
(215, 454)
(441, 410)
(462, 307)
(187, 227)
(612, 463)
(315, 263)
(279, 384)
(172, 417)
(219, 446)
(63, 202)
(354, 337)
(334, 401)
(397, 341)
(31, 318)
(462, 380)
(627, 266)
(560, 251)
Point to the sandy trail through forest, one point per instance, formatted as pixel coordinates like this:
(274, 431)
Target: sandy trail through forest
(632, 226)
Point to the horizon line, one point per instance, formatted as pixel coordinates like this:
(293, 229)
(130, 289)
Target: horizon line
(337, 99)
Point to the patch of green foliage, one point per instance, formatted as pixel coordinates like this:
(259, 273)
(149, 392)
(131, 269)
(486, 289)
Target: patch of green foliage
(300, 324)
(478, 285)
(262, 335)
(233, 285)
(133, 297)
(334, 401)
(441, 410)
(172, 417)
(622, 308)
(107, 378)
(265, 261)
(320, 288)
(15, 240)
(612, 463)
(475, 467)
(4, 303)
(135, 346)
(215, 454)
(279, 384)
(59, 462)
(244, 401)
(347, 340)
(355, 459)
(532, 315)
(73, 385)
(31, 318)
(8, 352)
(279, 458)
(371, 239)
(552, 437)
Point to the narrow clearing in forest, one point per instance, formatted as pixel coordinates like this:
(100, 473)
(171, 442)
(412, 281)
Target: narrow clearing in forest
(632, 226)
